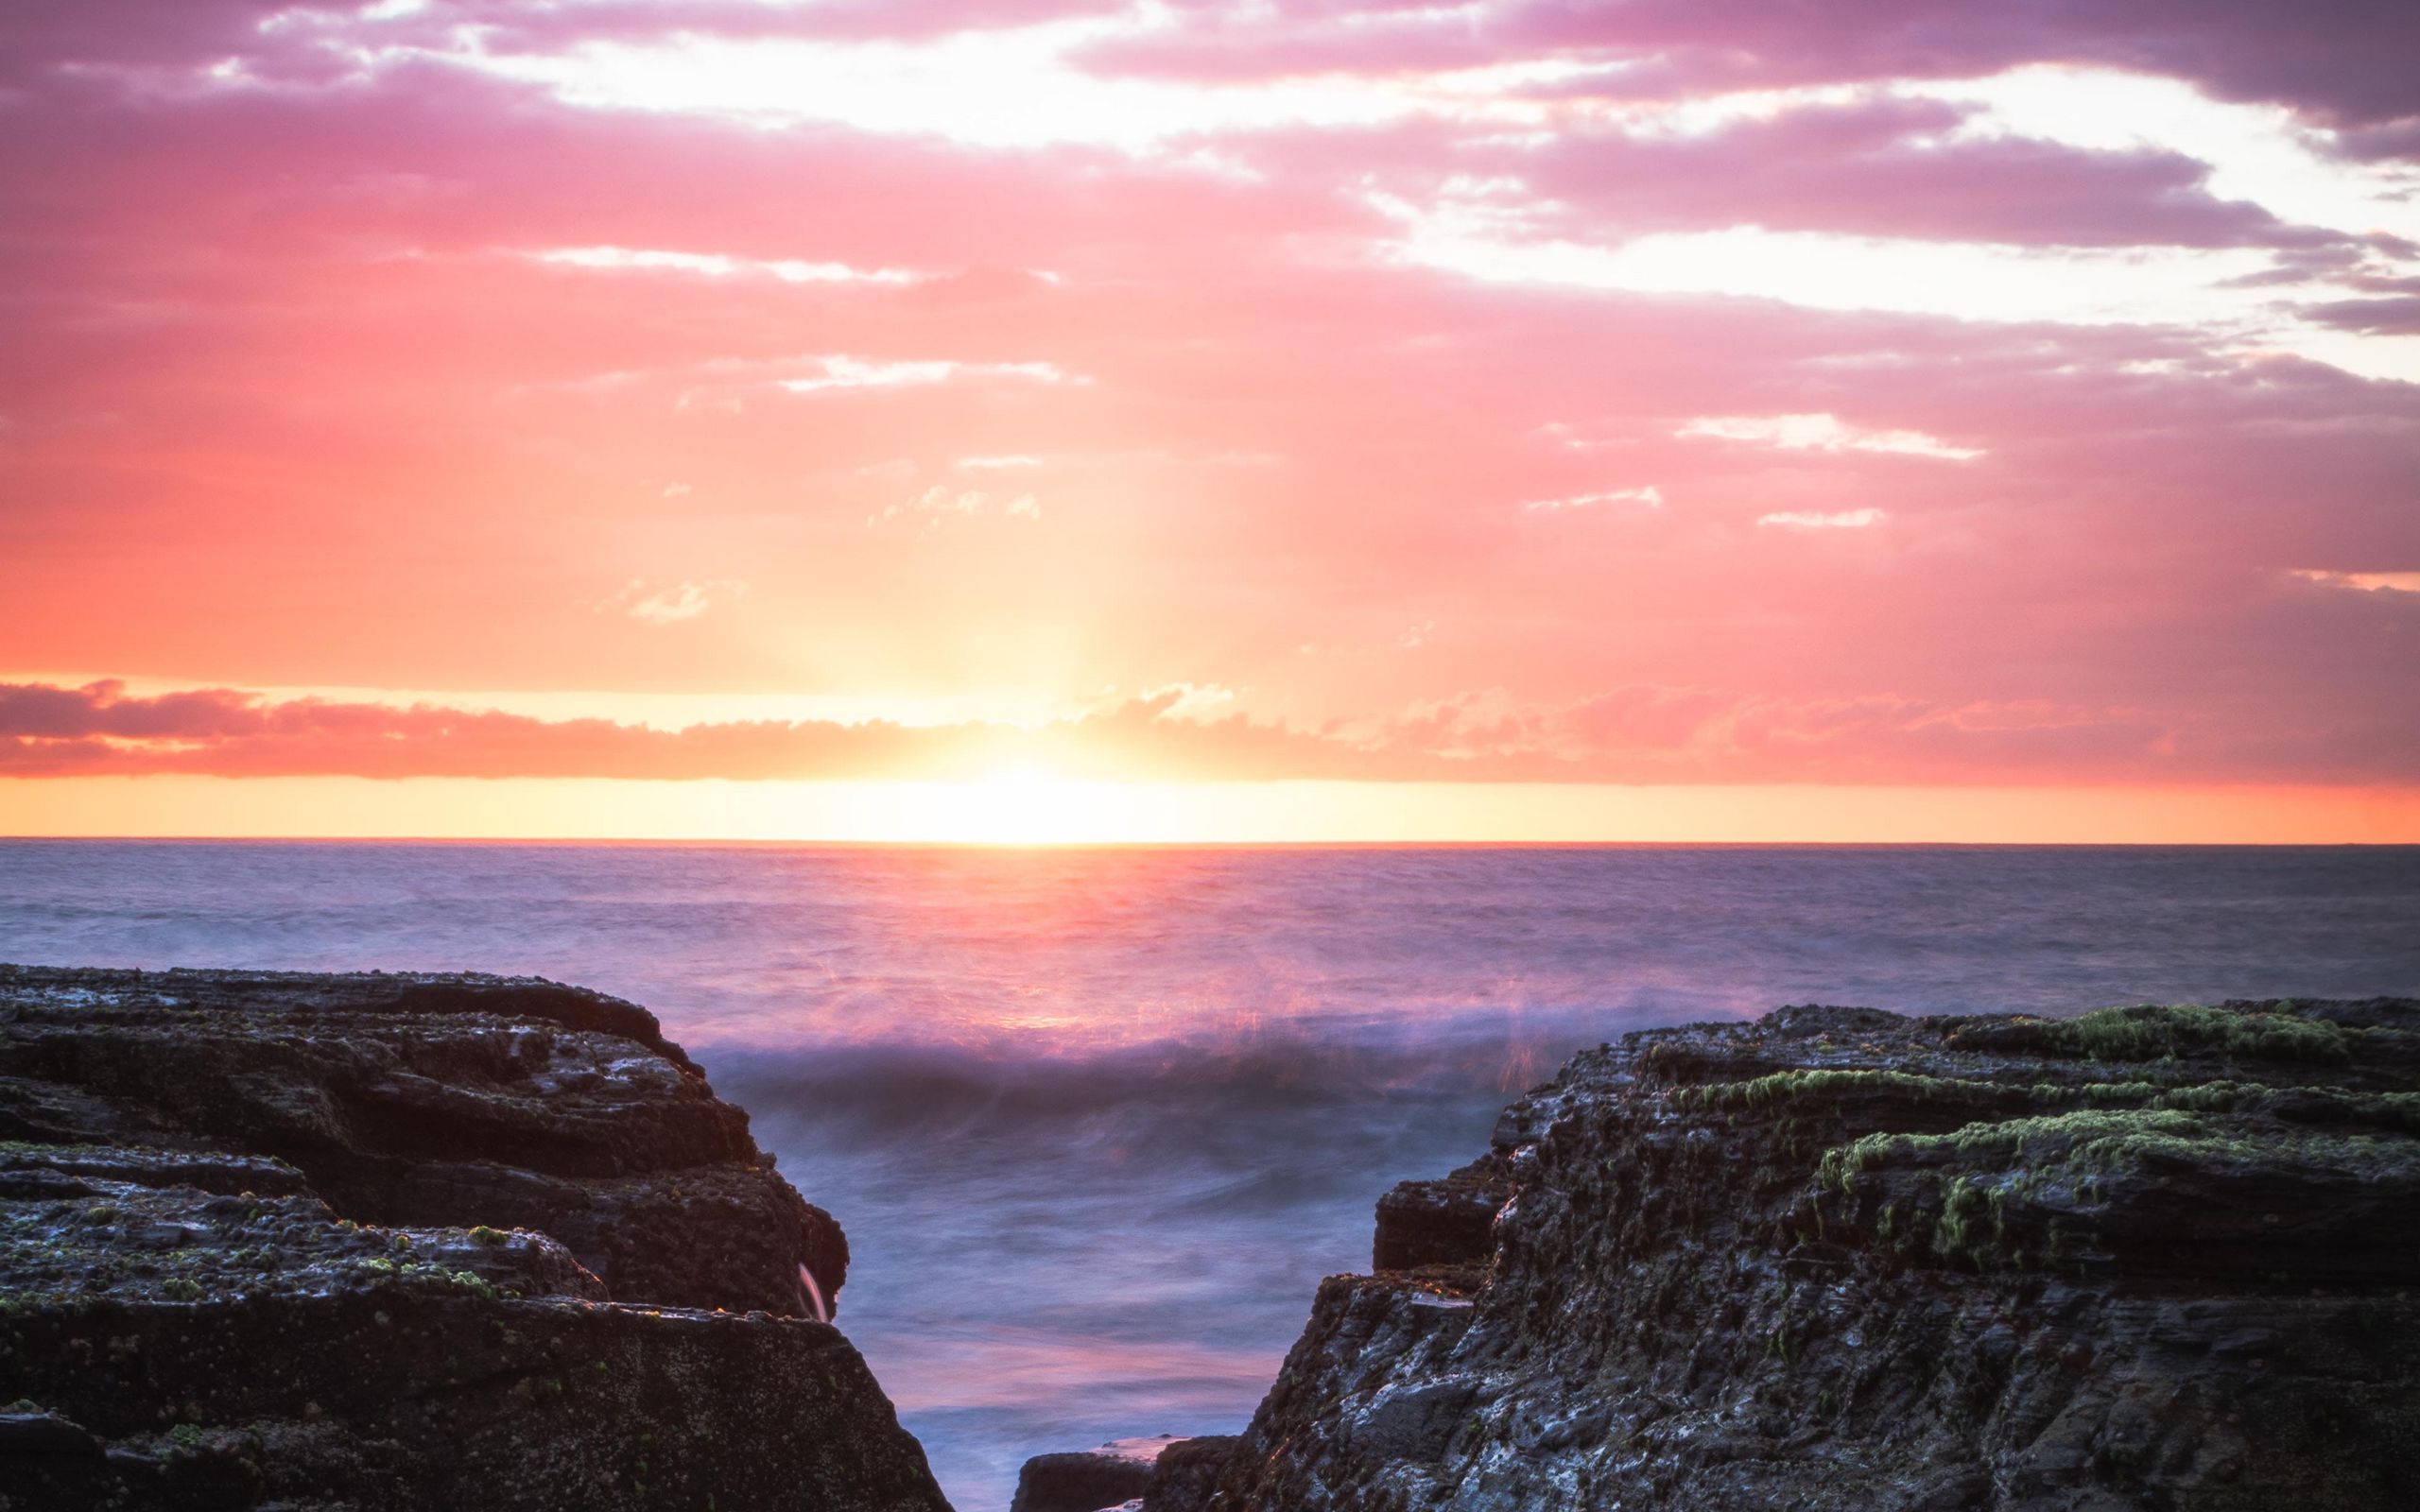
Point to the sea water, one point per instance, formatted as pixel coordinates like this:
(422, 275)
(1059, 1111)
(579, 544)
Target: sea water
(1096, 1121)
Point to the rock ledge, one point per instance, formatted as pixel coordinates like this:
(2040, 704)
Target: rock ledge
(2150, 1257)
(377, 1241)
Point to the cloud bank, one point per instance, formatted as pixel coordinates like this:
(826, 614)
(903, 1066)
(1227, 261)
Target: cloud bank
(1730, 390)
(1639, 735)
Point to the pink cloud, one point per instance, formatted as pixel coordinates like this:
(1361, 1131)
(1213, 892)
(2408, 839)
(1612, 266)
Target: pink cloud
(1857, 169)
(2344, 61)
(2384, 316)
(1640, 734)
(290, 399)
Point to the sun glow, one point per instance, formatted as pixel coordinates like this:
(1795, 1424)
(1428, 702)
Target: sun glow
(1130, 423)
(1026, 806)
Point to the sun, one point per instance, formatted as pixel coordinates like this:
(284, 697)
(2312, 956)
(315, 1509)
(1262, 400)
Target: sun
(1027, 805)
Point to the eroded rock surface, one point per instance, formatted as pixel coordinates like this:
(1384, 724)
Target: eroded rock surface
(1119, 1474)
(1088, 1480)
(1837, 1259)
(382, 1241)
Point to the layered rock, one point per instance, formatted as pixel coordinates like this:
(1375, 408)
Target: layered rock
(1840, 1260)
(401, 1241)
(1087, 1480)
(1123, 1473)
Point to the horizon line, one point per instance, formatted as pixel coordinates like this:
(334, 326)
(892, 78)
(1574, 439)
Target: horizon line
(716, 842)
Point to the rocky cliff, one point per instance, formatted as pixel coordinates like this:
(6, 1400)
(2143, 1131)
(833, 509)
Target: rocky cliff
(384, 1241)
(2155, 1257)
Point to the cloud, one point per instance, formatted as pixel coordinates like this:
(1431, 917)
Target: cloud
(1815, 520)
(1828, 270)
(2398, 317)
(853, 372)
(2338, 62)
(1645, 733)
(1894, 164)
(1648, 494)
(674, 602)
(2106, 355)
(2363, 582)
(717, 264)
(1821, 433)
(941, 501)
(1192, 700)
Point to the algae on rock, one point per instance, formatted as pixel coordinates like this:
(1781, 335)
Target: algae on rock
(392, 1241)
(1838, 1260)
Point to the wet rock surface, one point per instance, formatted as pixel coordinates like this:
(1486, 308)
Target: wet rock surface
(1087, 1480)
(1118, 1474)
(372, 1241)
(2155, 1257)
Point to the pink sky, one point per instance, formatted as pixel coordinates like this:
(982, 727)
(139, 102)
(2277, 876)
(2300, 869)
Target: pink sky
(1910, 395)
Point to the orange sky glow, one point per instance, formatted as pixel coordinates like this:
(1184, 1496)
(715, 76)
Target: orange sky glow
(1023, 808)
(1057, 421)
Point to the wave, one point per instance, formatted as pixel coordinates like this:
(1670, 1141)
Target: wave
(924, 1086)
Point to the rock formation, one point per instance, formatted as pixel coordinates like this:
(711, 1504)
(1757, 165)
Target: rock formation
(379, 1241)
(1087, 1480)
(2156, 1257)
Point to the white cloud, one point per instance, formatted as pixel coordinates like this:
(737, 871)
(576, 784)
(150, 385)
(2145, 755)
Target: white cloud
(725, 383)
(1812, 520)
(995, 87)
(716, 265)
(1985, 281)
(841, 371)
(1648, 494)
(941, 501)
(2198, 287)
(671, 603)
(1013, 86)
(1194, 701)
(2365, 582)
(676, 490)
(1007, 460)
(1821, 433)
(2262, 153)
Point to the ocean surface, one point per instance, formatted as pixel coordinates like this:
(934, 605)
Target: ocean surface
(1098, 1120)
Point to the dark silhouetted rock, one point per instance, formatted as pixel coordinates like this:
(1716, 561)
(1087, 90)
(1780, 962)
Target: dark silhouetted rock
(1185, 1470)
(397, 1241)
(1446, 1221)
(1090, 1480)
(1838, 1260)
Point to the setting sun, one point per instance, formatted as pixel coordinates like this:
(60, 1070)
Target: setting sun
(1026, 806)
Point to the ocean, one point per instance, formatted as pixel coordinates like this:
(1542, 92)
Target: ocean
(1096, 1121)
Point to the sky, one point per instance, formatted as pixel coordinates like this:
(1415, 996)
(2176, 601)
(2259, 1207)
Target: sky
(1033, 420)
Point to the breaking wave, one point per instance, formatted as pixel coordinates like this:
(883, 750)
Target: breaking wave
(1096, 1121)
